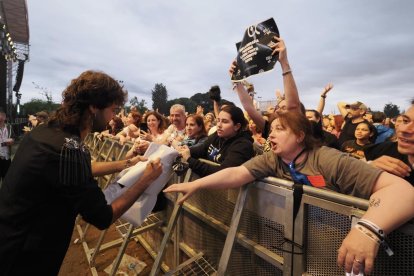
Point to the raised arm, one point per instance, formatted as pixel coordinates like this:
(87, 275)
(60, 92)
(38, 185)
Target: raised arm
(390, 206)
(247, 102)
(342, 109)
(225, 179)
(216, 107)
(289, 85)
(321, 104)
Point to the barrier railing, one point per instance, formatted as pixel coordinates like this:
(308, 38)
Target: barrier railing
(264, 234)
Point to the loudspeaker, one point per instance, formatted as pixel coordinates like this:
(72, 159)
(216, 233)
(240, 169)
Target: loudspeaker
(19, 76)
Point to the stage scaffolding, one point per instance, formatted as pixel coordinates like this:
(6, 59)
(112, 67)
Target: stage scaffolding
(14, 52)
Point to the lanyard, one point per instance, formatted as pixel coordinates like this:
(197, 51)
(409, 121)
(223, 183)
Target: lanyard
(292, 164)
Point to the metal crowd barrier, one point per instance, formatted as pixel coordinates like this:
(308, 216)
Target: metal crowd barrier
(219, 232)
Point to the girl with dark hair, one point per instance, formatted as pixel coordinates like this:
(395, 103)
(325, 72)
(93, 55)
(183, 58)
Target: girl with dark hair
(363, 133)
(230, 145)
(195, 132)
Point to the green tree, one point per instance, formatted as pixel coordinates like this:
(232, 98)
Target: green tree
(140, 105)
(391, 110)
(189, 105)
(160, 98)
(36, 105)
(203, 99)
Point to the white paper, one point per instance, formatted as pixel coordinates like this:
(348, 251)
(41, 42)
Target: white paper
(146, 202)
(353, 274)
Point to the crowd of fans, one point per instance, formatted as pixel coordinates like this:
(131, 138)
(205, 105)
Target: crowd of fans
(287, 141)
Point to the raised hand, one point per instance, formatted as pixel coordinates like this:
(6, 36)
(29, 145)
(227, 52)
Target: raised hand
(279, 47)
(327, 88)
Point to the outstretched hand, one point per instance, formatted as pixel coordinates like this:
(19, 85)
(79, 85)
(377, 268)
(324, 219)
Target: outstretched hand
(186, 188)
(138, 158)
(145, 136)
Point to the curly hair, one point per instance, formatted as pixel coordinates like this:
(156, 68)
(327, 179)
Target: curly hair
(91, 88)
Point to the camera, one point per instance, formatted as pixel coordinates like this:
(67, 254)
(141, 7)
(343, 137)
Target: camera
(3, 144)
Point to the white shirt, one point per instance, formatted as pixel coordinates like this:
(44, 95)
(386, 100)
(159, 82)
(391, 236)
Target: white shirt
(172, 133)
(4, 136)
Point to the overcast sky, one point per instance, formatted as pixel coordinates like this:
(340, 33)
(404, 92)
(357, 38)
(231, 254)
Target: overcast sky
(365, 48)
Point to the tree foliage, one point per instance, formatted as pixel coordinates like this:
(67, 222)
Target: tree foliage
(189, 105)
(203, 99)
(391, 110)
(36, 105)
(140, 105)
(160, 98)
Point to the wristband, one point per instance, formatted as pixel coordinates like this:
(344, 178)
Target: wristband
(287, 72)
(323, 96)
(375, 229)
(368, 233)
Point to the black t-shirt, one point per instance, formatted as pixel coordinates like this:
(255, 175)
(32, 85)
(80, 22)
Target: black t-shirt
(390, 149)
(348, 131)
(330, 140)
(353, 149)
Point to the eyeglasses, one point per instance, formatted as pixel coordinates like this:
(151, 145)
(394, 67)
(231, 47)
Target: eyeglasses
(298, 178)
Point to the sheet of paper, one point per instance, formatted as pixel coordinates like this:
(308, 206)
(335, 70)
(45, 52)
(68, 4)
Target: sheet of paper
(146, 202)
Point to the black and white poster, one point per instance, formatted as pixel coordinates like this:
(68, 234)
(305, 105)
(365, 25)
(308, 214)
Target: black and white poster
(254, 52)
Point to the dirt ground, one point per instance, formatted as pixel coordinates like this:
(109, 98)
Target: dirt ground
(75, 262)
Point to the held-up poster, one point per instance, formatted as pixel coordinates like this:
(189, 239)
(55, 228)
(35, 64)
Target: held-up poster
(254, 52)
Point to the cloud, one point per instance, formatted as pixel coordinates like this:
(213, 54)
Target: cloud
(363, 47)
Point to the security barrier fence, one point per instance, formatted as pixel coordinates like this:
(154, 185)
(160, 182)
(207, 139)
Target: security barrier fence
(260, 229)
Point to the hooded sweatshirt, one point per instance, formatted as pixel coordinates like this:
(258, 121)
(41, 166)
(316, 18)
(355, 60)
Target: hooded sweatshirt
(229, 152)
